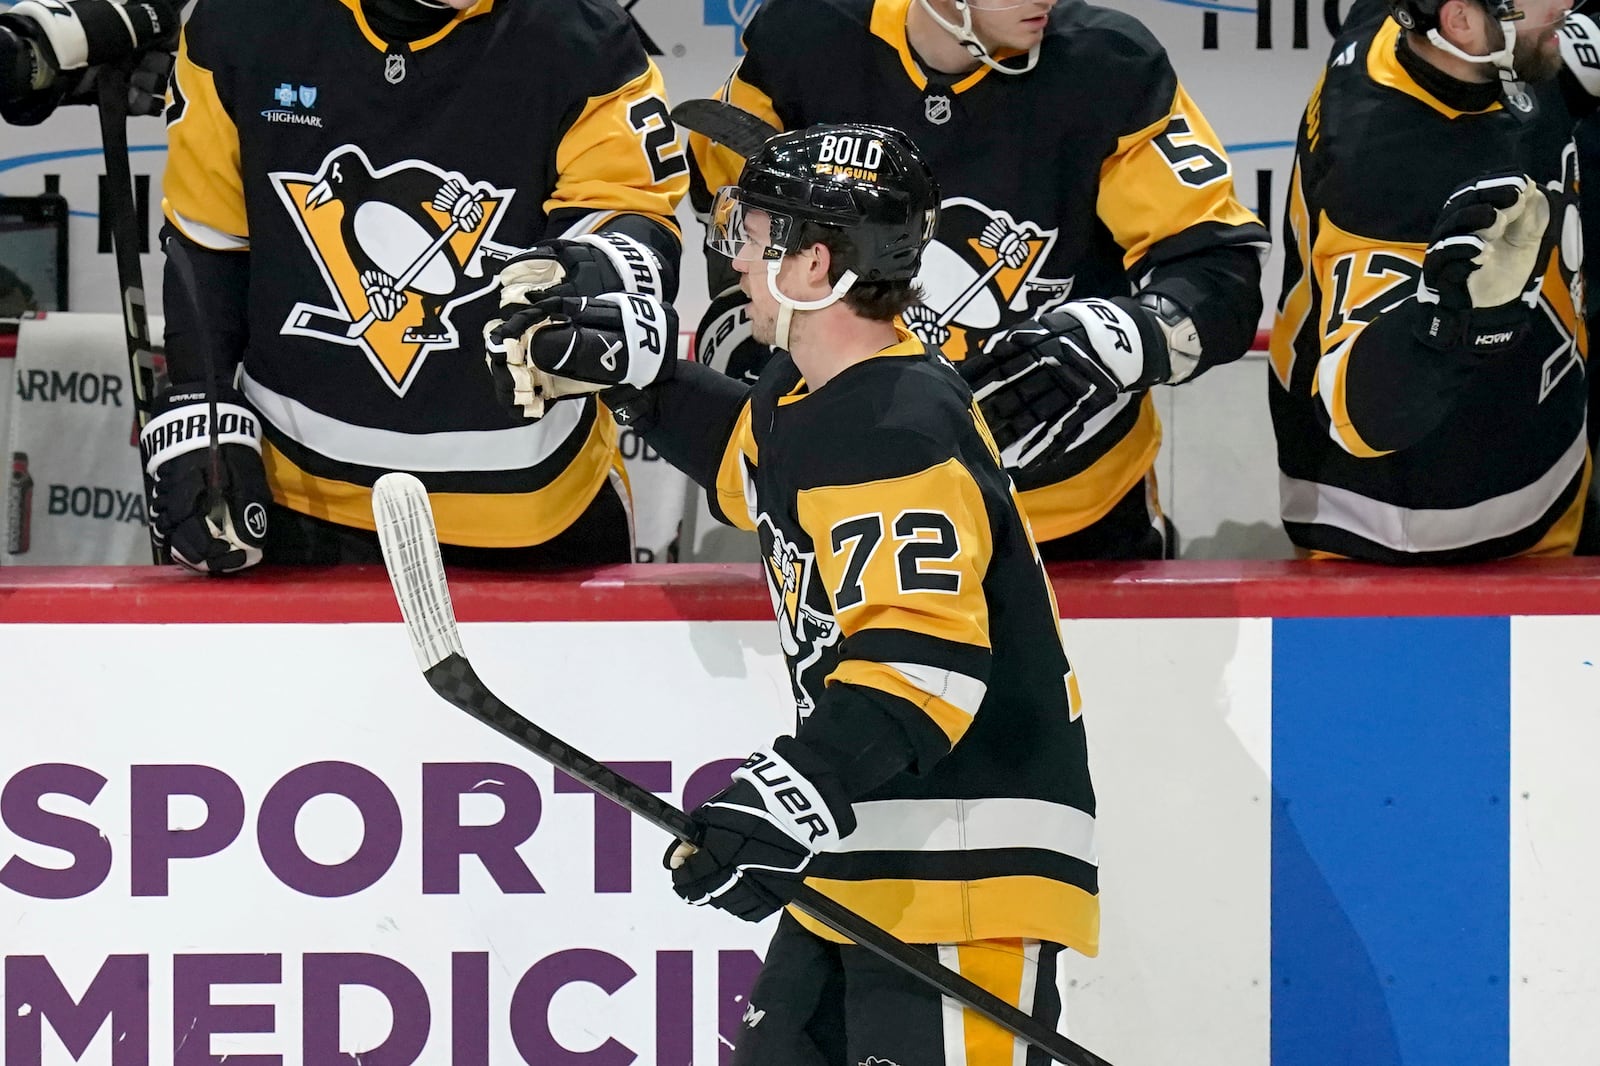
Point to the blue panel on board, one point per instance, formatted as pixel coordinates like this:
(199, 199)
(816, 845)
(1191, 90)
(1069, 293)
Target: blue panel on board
(1391, 763)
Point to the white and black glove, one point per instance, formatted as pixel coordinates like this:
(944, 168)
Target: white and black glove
(724, 340)
(176, 446)
(1039, 384)
(1485, 261)
(68, 41)
(569, 346)
(1579, 41)
(589, 265)
(758, 834)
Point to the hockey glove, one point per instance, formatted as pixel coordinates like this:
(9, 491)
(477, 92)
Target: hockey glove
(573, 346)
(758, 834)
(590, 265)
(724, 341)
(1485, 261)
(176, 445)
(1039, 385)
(1579, 40)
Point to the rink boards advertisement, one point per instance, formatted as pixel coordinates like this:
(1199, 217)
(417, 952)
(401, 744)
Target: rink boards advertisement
(1322, 840)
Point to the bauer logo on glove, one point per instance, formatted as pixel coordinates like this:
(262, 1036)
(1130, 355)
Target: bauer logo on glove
(563, 347)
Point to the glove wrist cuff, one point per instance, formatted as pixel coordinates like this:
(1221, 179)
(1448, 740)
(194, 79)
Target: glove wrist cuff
(795, 801)
(182, 424)
(1481, 332)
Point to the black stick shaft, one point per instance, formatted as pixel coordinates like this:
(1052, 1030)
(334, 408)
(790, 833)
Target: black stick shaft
(113, 98)
(455, 680)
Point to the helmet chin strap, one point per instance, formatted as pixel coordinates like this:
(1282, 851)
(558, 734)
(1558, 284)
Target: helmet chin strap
(787, 305)
(969, 40)
(1501, 57)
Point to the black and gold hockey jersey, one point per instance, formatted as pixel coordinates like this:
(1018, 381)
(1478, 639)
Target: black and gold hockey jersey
(900, 566)
(1093, 175)
(1389, 450)
(377, 188)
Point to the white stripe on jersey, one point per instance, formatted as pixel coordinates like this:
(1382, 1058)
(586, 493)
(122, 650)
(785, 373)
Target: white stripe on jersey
(954, 825)
(518, 448)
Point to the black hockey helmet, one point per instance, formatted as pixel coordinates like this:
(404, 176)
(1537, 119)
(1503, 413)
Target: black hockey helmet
(867, 182)
(1423, 15)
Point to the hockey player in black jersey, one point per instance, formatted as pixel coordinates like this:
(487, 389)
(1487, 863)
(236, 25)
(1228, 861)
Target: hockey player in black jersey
(937, 781)
(1428, 359)
(348, 179)
(1090, 244)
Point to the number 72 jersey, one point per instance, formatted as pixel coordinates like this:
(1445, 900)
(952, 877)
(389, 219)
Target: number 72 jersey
(900, 565)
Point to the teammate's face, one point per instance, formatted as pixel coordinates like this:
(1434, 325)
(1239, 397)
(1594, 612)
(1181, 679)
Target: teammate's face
(1013, 24)
(1537, 55)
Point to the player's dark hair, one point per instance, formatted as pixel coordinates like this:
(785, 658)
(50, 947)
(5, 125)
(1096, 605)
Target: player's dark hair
(880, 301)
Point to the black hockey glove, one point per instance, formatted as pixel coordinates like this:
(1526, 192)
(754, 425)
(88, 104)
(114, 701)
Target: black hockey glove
(1485, 261)
(175, 445)
(1039, 385)
(573, 346)
(590, 265)
(724, 341)
(758, 834)
(75, 39)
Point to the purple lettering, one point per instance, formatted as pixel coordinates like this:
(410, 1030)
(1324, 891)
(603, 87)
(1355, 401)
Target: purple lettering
(119, 992)
(155, 843)
(325, 974)
(675, 1006)
(530, 1007)
(22, 814)
(613, 825)
(195, 1018)
(380, 839)
(469, 1008)
(445, 839)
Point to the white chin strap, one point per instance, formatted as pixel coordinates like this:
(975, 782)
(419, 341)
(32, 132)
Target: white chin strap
(787, 305)
(1501, 57)
(969, 40)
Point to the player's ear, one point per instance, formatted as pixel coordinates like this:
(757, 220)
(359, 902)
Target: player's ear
(818, 261)
(1461, 22)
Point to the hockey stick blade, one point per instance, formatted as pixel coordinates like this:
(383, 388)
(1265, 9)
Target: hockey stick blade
(411, 554)
(730, 126)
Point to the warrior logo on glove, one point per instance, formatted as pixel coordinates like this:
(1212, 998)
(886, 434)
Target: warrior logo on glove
(400, 248)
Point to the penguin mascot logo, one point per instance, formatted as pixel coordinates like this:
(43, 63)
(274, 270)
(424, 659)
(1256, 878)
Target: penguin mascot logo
(398, 249)
(806, 626)
(980, 275)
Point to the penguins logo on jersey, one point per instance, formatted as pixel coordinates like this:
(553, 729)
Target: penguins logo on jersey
(980, 275)
(805, 628)
(398, 249)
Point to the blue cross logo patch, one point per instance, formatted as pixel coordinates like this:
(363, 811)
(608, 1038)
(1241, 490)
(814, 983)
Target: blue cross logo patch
(284, 94)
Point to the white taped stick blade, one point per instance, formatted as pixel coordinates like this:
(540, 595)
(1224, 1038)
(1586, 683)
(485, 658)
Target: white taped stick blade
(411, 555)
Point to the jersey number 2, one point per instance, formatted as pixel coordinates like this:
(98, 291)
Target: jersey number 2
(650, 120)
(923, 537)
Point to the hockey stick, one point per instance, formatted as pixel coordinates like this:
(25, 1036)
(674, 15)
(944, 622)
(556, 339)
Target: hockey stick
(113, 101)
(411, 555)
(726, 124)
(216, 508)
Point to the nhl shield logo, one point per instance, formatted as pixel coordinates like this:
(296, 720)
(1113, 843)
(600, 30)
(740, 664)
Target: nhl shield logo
(936, 109)
(394, 68)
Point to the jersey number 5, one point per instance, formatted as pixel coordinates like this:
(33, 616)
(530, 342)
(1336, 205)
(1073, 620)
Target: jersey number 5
(1195, 164)
(923, 537)
(651, 122)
